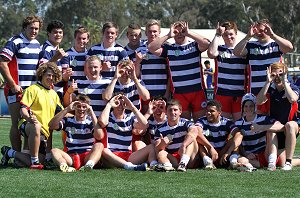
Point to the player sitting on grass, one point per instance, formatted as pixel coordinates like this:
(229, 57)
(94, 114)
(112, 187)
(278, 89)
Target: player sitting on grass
(81, 131)
(252, 135)
(118, 140)
(216, 129)
(39, 104)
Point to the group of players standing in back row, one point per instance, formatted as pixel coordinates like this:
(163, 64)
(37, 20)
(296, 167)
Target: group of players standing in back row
(143, 106)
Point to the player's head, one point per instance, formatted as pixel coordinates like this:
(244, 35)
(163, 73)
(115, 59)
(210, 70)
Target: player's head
(48, 74)
(229, 36)
(152, 29)
(125, 67)
(213, 111)
(81, 36)
(178, 30)
(31, 26)
(260, 30)
(159, 106)
(92, 67)
(134, 34)
(248, 103)
(55, 31)
(277, 71)
(174, 110)
(81, 105)
(110, 32)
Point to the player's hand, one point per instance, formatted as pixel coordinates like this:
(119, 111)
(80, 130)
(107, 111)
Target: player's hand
(115, 101)
(120, 70)
(72, 106)
(59, 54)
(127, 104)
(131, 71)
(172, 31)
(185, 31)
(268, 30)
(139, 56)
(252, 30)
(220, 30)
(67, 74)
(106, 65)
(73, 87)
(16, 89)
(214, 154)
(224, 158)
(270, 77)
(166, 140)
(89, 110)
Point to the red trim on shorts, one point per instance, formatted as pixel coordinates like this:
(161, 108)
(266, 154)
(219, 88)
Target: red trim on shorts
(177, 156)
(77, 164)
(124, 155)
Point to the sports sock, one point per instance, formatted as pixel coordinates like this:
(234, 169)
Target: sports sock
(48, 156)
(129, 166)
(11, 153)
(272, 158)
(90, 163)
(207, 160)
(288, 160)
(185, 159)
(154, 162)
(233, 158)
(35, 160)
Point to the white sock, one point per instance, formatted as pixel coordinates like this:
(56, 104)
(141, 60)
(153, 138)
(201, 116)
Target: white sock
(129, 166)
(63, 163)
(272, 158)
(168, 164)
(35, 160)
(207, 160)
(11, 153)
(48, 156)
(233, 158)
(185, 159)
(154, 162)
(90, 163)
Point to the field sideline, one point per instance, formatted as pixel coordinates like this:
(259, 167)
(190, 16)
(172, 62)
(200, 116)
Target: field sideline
(120, 183)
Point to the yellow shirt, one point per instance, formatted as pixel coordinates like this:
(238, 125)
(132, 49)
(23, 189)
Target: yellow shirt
(43, 103)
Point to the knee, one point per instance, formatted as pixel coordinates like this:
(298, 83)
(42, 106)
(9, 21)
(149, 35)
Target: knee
(54, 151)
(161, 155)
(98, 146)
(291, 127)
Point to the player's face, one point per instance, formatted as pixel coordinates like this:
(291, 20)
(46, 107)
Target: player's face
(32, 30)
(56, 36)
(212, 114)
(173, 113)
(110, 35)
(229, 37)
(179, 38)
(134, 36)
(93, 69)
(152, 32)
(81, 40)
(160, 108)
(260, 32)
(47, 79)
(249, 108)
(80, 109)
(276, 74)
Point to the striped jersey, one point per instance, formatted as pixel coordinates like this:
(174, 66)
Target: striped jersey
(184, 64)
(75, 60)
(280, 107)
(153, 126)
(216, 133)
(130, 91)
(113, 55)
(23, 56)
(47, 52)
(94, 89)
(119, 132)
(130, 52)
(260, 56)
(178, 133)
(229, 73)
(153, 72)
(79, 134)
(254, 142)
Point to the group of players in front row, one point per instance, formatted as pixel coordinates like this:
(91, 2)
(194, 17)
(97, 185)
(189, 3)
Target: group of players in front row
(173, 142)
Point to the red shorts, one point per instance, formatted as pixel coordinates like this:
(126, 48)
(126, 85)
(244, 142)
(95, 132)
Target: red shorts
(124, 155)
(230, 104)
(12, 97)
(263, 162)
(177, 156)
(195, 100)
(77, 163)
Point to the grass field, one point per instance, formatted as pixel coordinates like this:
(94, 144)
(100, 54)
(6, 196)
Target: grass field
(120, 183)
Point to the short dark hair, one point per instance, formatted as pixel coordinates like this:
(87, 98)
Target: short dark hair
(215, 103)
(84, 98)
(109, 25)
(134, 26)
(55, 24)
(174, 102)
(81, 30)
(206, 62)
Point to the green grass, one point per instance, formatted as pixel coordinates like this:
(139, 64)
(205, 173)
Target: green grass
(121, 183)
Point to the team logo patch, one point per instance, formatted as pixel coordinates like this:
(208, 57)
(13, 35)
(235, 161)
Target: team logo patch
(177, 52)
(116, 127)
(203, 104)
(74, 63)
(85, 91)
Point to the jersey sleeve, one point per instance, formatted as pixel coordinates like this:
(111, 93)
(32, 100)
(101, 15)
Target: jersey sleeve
(28, 97)
(9, 50)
